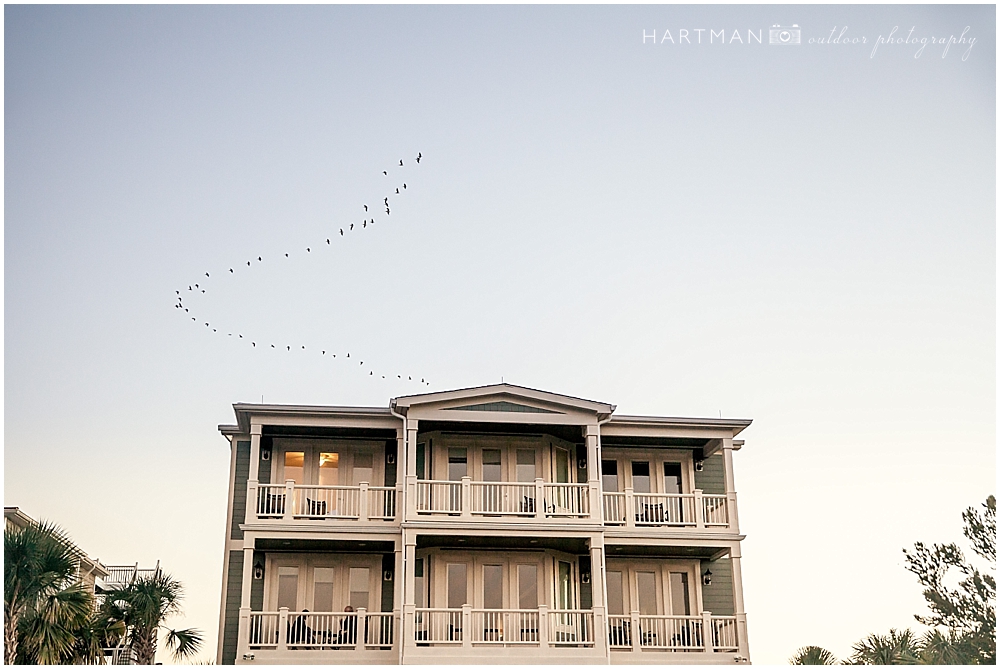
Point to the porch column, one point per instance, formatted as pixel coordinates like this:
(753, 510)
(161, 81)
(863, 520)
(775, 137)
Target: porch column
(409, 593)
(598, 590)
(397, 596)
(727, 455)
(243, 633)
(251, 512)
(592, 434)
(410, 471)
(743, 644)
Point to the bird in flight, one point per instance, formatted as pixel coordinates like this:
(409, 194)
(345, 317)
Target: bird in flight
(248, 263)
(206, 274)
(366, 207)
(231, 270)
(327, 241)
(365, 224)
(404, 186)
(385, 173)
(400, 163)
(386, 213)
(308, 250)
(259, 259)
(386, 200)
(341, 232)
(419, 156)
(352, 226)
(397, 191)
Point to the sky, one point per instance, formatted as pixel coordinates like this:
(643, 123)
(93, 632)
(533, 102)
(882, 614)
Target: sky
(801, 234)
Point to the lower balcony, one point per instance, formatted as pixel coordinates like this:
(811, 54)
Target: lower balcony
(350, 637)
(704, 639)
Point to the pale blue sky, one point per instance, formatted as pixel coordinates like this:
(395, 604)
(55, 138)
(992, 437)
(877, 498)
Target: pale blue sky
(802, 235)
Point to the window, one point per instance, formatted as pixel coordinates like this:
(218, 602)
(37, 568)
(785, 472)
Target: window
(458, 460)
(323, 589)
(646, 583)
(672, 478)
(328, 468)
(457, 590)
(609, 475)
(421, 461)
(561, 466)
(680, 602)
(359, 586)
(525, 465)
(420, 585)
(527, 586)
(565, 595)
(616, 594)
(492, 586)
(640, 477)
(288, 588)
(491, 464)
(363, 470)
(295, 467)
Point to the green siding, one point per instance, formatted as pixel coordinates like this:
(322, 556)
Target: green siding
(712, 479)
(264, 469)
(586, 591)
(257, 584)
(240, 488)
(234, 592)
(388, 565)
(390, 469)
(718, 597)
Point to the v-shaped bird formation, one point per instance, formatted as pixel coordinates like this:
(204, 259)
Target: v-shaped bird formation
(255, 344)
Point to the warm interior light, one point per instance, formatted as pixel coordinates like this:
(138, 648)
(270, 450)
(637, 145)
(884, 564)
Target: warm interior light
(295, 459)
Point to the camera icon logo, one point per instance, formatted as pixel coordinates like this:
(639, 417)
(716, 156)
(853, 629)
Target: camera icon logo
(782, 35)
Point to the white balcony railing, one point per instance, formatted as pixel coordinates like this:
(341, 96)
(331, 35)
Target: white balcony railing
(532, 627)
(361, 630)
(673, 633)
(485, 498)
(694, 510)
(290, 501)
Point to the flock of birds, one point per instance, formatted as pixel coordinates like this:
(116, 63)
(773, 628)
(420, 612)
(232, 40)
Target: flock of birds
(201, 287)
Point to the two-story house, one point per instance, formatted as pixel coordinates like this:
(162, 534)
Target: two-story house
(497, 524)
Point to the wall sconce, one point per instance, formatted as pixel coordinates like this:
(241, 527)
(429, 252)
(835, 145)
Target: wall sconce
(585, 577)
(390, 459)
(258, 571)
(387, 575)
(265, 454)
(706, 578)
(699, 465)
(582, 464)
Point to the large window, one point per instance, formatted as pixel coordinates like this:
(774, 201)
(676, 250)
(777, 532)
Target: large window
(527, 586)
(329, 463)
(640, 477)
(609, 475)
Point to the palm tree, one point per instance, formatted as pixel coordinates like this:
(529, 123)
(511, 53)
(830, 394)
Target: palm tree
(812, 655)
(141, 608)
(895, 648)
(936, 648)
(43, 605)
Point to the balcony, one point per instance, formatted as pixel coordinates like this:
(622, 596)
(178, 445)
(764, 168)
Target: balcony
(521, 501)
(673, 633)
(290, 502)
(683, 511)
(539, 628)
(282, 637)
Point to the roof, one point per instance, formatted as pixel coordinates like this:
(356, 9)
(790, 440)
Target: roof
(486, 403)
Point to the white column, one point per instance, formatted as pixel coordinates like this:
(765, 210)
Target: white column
(247, 574)
(255, 431)
(410, 471)
(409, 590)
(727, 454)
(251, 511)
(707, 632)
(741, 616)
(592, 434)
(598, 594)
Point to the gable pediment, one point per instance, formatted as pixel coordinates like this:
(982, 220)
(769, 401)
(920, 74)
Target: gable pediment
(503, 403)
(503, 406)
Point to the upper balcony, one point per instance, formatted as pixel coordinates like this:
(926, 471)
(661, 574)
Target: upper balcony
(294, 503)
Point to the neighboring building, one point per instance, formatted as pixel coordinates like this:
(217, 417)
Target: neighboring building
(99, 579)
(487, 525)
(89, 571)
